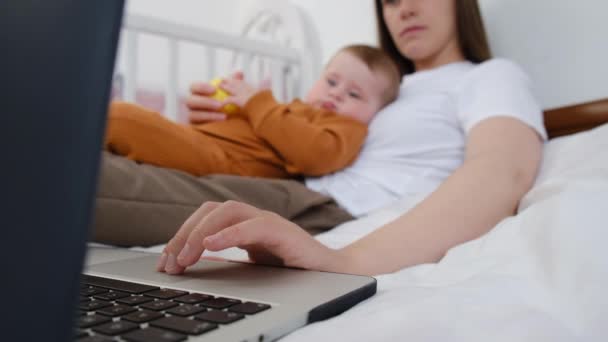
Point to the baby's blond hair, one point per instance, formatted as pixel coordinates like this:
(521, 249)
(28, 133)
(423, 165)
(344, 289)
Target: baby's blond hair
(378, 60)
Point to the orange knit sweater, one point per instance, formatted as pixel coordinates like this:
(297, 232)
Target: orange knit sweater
(267, 139)
(297, 138)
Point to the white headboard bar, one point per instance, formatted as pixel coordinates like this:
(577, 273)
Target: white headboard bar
(210, 37)
(174, 33)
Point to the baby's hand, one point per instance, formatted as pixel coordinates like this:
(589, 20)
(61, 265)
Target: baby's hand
(239, 90)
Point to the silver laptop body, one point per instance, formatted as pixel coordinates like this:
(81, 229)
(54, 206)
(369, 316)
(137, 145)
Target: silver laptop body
(296, 297)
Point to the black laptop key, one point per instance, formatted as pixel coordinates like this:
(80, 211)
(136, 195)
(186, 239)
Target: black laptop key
(143, 316)
(158, 305)
(154, 335)
(115, 328)
(94, 305)
(184, 325)
(134, 300)
(116, 310)
(193, 298)
(96, 338)
(166, 293)
(220, 317)
(84, 299)
(110, 296)
(92, 320)
(220, 303)
(91, 291)
(186, 310)
(118, 285)
(249, 308)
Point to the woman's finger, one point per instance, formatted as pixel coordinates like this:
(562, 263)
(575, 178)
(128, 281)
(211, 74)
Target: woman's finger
(256, 231)
(168, 259)
(225, 215)
(257, 236)
(270, 239)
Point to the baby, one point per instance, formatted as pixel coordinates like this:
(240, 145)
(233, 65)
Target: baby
(266, 138)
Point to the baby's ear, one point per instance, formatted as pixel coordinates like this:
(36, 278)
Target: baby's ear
(265, 83)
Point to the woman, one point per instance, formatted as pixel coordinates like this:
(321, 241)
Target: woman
(476, 122)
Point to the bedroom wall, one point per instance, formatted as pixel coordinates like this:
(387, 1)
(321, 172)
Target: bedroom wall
(357, 25)
(202, 13)
(563, 44)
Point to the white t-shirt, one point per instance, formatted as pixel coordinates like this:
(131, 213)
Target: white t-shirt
(419, 140)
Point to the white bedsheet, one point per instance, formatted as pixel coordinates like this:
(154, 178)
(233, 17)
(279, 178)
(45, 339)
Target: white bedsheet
(539, 276)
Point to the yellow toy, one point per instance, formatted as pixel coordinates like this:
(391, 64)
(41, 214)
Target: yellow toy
(220, 95)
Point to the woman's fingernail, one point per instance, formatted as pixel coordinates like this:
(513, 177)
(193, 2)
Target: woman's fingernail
(162, 261)
(184, 255)
(171, 264)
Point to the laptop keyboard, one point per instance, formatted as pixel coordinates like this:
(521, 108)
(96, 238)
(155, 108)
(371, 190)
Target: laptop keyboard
(114, 310)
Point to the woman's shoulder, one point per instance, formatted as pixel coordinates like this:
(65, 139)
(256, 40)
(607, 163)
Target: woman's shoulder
(495, 73)
(498, 87)
(498, 67)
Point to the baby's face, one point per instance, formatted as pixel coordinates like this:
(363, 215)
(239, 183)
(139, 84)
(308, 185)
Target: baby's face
(348, 87)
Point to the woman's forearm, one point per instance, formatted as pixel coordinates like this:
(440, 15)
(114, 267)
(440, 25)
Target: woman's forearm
(469, 203)
(485, 190)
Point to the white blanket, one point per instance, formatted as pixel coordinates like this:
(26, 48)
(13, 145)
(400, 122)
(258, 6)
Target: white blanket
(539, 276)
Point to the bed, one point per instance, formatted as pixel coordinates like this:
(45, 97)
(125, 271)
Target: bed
(537, 276)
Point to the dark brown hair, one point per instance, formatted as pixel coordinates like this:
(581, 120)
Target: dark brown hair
(471, 35)
(378, 61)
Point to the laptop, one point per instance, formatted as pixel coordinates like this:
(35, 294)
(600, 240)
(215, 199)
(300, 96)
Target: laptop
(56, 64)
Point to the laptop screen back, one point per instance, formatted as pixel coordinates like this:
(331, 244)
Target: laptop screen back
(56, 65)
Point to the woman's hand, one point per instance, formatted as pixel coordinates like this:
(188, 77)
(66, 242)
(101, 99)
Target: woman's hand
(267, 237)
(202, 108)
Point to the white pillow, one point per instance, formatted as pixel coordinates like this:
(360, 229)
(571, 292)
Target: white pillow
(581, 157)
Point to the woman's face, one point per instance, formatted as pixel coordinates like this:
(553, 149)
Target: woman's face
(424, 31)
